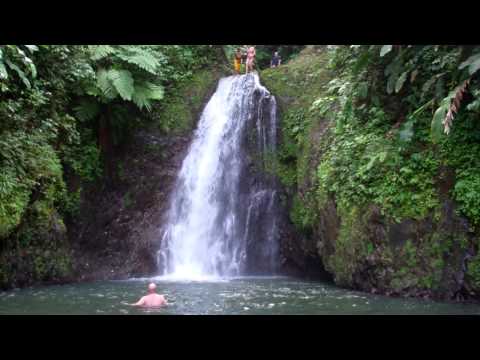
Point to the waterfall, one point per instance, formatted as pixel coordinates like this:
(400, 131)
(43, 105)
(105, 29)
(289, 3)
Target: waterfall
(223, 209)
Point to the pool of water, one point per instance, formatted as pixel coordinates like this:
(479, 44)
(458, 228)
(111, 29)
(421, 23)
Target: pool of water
(242, 296)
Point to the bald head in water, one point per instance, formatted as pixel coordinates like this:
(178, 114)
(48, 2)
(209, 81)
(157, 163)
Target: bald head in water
(152, 299)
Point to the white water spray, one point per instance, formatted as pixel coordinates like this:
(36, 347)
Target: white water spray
(215, 205)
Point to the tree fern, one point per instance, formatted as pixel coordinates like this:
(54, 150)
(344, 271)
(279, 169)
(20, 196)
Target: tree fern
(106, 85)
(156, 92)
(139, 57)
(122, 80)
(141, 97)
(145, 93)
(98, 52)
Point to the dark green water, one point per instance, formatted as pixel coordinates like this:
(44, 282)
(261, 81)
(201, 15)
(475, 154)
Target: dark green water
(236, 296)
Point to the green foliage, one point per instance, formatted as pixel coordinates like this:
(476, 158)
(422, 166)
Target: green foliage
(174, 113)
(467, 193)
(473, 63)
(122, 80)
(385, 50)
(461, 152)
(99, 52)
(360, 167)
(28, 163)
(302, 214)
(136, 74)
(146, 92)
(351, 246)
(14, 198)
(143, 58)
(53, 99)
(84, 160)
(473, 271)
(13, 59)
(70, 203)
(368, 133)
(403, 183)
(87, 109)
(286, 52)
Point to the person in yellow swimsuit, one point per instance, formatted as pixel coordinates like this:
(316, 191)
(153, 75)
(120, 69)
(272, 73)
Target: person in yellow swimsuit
(237, 60)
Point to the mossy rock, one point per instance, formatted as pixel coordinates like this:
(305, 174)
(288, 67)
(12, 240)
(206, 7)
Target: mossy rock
(38, 252)
(179, 110)
(472, 276)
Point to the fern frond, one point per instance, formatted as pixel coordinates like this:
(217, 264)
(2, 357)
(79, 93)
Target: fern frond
(98, 52)
(122, 80)
(139, 57)
(146, 92)
(141, 97)
(106, 85)
(473, 63)
(156, 92)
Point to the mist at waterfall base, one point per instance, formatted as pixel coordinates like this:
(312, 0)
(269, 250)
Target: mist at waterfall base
(222, 220)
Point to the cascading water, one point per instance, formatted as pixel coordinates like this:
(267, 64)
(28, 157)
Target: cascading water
(222, 219)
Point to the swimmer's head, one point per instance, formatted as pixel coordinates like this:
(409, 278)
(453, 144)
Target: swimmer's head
(152, 287)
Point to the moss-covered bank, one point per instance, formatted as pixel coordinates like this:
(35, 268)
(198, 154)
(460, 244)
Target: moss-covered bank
(379, 214)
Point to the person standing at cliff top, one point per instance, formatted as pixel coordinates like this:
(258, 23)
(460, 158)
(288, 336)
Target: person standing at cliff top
(237, 60)
(250, 58)
(152, 299)
(276, 60)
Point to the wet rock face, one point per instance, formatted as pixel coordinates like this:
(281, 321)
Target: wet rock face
(266, 215)
(297, 255)
(39, 254)
(116, 234)
(423, 258)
